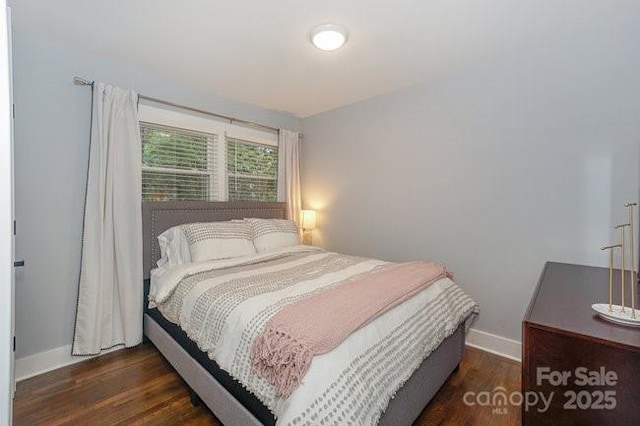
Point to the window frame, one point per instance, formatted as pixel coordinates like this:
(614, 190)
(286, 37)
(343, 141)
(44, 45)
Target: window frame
(211, 126)
(241, 176)
(211, 146)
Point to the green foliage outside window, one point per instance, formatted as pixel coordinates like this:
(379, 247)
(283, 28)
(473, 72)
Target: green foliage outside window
(177, 166)
(177, 150)
(174, 150)
(252, 171)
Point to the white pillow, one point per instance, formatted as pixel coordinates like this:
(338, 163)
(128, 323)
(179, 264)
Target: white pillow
(174, 247)
(218, 240)
(269, 234)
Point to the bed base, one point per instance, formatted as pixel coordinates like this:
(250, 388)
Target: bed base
(225, 407)
(403, 409)
(424, 383)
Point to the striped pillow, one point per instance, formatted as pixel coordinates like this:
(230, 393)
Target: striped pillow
(218, 240)
(269, 234)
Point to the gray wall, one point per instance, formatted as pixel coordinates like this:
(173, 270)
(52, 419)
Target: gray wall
(492, 170)
(51, 149)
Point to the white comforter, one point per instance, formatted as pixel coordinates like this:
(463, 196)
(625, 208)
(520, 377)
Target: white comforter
(223, 306)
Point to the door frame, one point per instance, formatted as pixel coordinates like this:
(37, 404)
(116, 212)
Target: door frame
(6, 222)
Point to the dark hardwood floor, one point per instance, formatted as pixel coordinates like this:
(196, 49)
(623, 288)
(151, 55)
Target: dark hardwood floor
(137, 386)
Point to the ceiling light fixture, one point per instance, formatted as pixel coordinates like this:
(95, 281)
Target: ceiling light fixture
(328, 36)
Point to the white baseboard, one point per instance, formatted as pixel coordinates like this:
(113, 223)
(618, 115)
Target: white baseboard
(494, 344)
(53, 359)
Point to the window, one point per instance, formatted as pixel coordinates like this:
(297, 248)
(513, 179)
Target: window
(252, 171)
(177, 164)
(186, 157)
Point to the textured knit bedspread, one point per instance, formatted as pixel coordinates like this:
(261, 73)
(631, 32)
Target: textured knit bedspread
(224, 305)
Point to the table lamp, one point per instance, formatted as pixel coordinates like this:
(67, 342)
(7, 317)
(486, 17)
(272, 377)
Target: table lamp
(308, 225)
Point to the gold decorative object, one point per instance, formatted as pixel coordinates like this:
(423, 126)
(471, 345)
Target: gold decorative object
(610, 248)
(622, 269)
(611, 311)
(632, 272)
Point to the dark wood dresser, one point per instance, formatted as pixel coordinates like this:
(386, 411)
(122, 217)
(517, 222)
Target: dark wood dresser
(572, 354)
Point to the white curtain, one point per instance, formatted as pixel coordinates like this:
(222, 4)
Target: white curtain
(289, 173)
(110, 305)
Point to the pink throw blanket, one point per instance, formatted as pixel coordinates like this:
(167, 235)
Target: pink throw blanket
(282, 353)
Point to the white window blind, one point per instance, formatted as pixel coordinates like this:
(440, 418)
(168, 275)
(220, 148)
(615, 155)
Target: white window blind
(190, 158)
(178, 164)
(252, 171)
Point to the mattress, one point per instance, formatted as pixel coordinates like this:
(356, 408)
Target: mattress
(222, 305)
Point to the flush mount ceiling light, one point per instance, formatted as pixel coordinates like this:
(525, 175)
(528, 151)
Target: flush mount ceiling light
(328, 36)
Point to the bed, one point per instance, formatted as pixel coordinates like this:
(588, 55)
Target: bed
(229, 400)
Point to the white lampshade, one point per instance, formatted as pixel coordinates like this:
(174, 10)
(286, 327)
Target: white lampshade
(308, 219)
(328, 36)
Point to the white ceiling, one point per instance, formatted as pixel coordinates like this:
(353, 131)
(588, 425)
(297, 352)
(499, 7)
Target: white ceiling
(259, 52)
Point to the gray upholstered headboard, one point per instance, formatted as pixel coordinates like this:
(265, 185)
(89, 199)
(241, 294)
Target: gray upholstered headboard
(158, 216)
